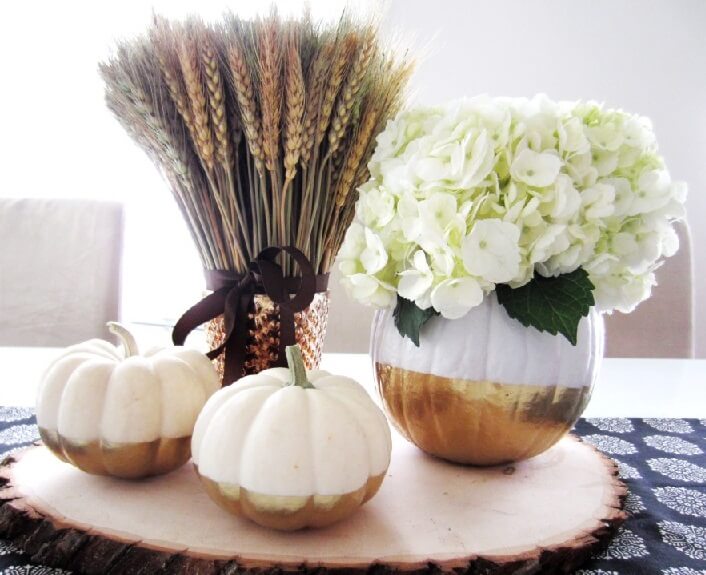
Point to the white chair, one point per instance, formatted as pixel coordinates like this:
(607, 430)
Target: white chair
(60, 263)
(660, 327)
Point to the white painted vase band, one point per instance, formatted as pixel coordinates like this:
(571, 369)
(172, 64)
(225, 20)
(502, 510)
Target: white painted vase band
(488, 345)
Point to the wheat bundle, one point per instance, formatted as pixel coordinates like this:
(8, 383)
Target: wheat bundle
(263, 128)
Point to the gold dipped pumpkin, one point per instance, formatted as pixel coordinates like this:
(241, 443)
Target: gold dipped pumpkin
(484, 389)
(117, 412)
(290, 449)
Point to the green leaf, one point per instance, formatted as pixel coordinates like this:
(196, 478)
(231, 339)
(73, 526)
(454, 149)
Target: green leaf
(409, 318)
(554, 304)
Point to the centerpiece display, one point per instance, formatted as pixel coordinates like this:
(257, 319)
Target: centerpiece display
(493, 234)
(263, 129)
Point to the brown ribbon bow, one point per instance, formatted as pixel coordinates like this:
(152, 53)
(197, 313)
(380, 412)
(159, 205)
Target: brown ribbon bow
(233, 296)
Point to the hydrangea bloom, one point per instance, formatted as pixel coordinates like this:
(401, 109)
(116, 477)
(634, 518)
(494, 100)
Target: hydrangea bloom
(494, 190)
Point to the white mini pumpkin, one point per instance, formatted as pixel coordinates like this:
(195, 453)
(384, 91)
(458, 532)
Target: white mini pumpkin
(114, 412)
(289, 448)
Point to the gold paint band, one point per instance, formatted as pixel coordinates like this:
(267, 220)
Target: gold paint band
(289, 513)
(125, 460)
(478, 422)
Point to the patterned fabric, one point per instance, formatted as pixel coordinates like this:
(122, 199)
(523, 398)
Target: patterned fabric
(662, 461)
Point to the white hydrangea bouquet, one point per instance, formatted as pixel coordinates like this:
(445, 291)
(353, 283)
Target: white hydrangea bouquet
(556, 207)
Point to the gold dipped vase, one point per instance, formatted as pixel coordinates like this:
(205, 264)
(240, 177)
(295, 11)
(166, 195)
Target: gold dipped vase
(484, 389)
(261, 350)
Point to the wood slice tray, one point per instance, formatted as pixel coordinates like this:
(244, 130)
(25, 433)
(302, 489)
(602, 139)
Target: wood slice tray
(546, 515)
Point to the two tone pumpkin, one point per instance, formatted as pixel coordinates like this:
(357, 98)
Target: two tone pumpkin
(484, 389)
(112, 411)
(290, 448)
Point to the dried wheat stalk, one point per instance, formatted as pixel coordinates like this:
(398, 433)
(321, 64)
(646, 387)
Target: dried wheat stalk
(262, 128)
(294, 114)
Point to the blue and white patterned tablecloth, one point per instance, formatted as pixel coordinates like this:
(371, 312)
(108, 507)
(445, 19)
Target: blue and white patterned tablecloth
(661, 460)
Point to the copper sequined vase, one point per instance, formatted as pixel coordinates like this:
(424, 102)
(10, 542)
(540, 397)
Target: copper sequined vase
(263, 334)
(484, 389)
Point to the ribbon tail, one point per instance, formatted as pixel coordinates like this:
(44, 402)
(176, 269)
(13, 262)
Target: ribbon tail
(207, 309)
(238, 306)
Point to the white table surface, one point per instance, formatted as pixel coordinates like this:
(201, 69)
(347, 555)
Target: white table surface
(625, 388)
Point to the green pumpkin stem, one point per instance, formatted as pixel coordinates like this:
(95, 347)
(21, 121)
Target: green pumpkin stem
(296, 367)
(125, 337)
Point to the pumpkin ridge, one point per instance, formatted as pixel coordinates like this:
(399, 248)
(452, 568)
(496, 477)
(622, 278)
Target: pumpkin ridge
(346, 400)
(312, 444)
(93, 347)
(438, 425)
(324, 404)
(221, 414)
(117, 381)
(171, 367)
(247, 437)
(202, 369)
(56, 366)
(73, 381)
(103, 407)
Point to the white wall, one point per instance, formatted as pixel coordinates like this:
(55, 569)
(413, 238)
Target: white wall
(646, 56)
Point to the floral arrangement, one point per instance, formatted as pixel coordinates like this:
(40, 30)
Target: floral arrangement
(556, 207)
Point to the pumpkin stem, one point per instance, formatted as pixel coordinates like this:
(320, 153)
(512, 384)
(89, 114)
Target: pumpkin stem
(125, 337)
(296, 367)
